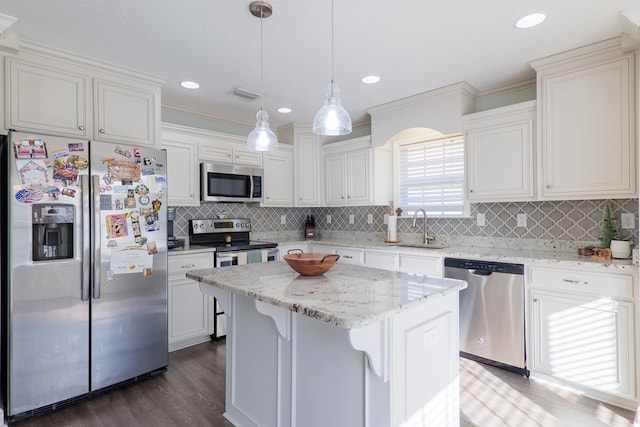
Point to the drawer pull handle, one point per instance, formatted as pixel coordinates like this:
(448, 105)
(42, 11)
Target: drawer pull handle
(188, 266)
(575, 282)
(347, 256)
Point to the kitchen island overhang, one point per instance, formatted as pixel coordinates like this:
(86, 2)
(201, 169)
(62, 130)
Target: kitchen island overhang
(356, 346)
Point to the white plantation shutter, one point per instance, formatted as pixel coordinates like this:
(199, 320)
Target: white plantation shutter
(431, 177)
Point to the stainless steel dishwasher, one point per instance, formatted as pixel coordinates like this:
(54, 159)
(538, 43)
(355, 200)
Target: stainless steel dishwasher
(492, 326)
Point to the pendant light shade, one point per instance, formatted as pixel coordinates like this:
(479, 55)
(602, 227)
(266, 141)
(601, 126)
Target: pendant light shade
(261, 138)
(332, 119)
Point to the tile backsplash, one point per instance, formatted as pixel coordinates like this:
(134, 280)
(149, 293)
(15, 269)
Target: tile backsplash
(562, 225)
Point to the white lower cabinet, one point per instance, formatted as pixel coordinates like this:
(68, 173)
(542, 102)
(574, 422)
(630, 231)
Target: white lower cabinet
(582, 332)
(381, 259)
(421, 264)
(350, 256)
(347, 255)
(190, 310)
(284, 249)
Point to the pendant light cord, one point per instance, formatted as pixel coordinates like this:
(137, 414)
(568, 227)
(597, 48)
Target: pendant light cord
(262, 62)
(332, 50)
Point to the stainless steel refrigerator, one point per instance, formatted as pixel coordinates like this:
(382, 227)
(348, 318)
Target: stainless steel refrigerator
(86, 303)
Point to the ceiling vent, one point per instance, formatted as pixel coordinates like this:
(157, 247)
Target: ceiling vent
(245, 94)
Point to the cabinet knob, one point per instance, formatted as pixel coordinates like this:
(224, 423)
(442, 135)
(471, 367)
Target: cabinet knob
(267, 197)
(101, 131)
(342, 197)
(81, 127)
(470, 191)
(548, 187)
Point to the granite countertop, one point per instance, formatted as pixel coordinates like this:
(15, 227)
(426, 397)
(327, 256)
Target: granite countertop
(513, 255)
(346, 296)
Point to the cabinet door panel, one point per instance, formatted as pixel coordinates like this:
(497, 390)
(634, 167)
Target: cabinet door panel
(216, 153)
(500, 163)
(246, 157)
(350, 256)
(124, 114)
(278, 179)
(586, 130)
(584, 340)
(421, 264)
(190, 315)
(308, 177)
(41, 98)
(335, 170)
(383, 260)
(358, 177)
(182, 173)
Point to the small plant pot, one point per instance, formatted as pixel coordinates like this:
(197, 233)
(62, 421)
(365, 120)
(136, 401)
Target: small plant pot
(620, 249)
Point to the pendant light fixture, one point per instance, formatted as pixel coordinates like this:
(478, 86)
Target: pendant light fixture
(332, 119)
(262, 138)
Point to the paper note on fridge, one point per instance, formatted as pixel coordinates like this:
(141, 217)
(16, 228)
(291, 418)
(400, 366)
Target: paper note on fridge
(131, 259)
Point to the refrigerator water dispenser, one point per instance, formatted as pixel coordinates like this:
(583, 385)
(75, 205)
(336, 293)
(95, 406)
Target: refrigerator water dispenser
(52, 226)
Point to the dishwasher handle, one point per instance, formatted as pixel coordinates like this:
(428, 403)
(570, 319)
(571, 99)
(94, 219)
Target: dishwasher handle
(481, 272)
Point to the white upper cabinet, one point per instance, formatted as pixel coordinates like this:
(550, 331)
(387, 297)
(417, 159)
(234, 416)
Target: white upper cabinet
(347, 178)
(307, 168)
(278, 177)
(335, 171)
(500, 153)
(126, 112)
(43, 98)
(76, 98)
(228, 149)
(357, 174)
(586, 123)
(182, 167)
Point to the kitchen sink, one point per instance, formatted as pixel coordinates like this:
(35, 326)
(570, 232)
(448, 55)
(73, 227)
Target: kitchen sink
(420, 245)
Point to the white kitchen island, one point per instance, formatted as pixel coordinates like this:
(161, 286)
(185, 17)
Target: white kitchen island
(355, 347)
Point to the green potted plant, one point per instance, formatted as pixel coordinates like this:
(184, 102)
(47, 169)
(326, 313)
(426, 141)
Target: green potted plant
(609, 228)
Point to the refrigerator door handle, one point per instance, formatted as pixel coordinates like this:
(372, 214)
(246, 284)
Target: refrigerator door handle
(86, 238)
(96, 236)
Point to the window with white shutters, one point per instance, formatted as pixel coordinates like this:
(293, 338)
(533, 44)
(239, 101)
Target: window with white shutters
(431, 177)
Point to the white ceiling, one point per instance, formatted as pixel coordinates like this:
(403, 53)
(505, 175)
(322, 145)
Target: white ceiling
(414, 45)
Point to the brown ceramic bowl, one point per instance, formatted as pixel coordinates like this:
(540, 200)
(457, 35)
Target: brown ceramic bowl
(311, 263)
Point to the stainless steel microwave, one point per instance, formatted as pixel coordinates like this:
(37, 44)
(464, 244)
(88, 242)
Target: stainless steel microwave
(226, 182)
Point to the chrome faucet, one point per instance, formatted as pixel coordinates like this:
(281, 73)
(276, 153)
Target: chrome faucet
(426, 238)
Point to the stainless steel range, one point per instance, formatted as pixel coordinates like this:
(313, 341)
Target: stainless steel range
(232, 245)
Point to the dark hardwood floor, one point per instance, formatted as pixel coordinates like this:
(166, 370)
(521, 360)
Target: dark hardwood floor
(191, 393)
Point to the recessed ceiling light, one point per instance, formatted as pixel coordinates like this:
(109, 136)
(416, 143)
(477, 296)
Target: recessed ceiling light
(370, 80)
(189, 85)
(284, 110)
(531, 20)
